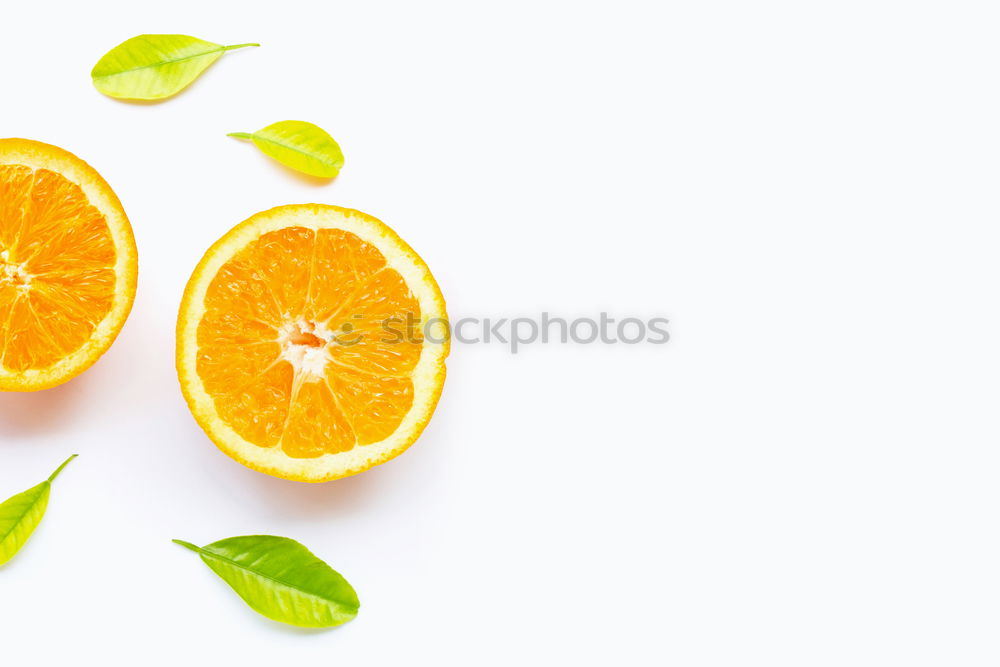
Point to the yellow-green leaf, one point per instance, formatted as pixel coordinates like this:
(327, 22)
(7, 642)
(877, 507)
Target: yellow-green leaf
(21, 514)
(281, 579)
(153, 67)
(300, 145)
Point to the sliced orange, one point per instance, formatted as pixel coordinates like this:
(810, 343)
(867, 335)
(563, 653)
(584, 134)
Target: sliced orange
(67, 265)
(311, 343)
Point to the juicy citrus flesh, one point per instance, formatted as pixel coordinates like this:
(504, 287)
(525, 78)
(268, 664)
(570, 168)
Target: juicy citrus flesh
(301, 343)
(270, 354)
(67, 265)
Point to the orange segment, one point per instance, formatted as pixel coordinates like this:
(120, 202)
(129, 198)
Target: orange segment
(379, 327)
(67, 265)
(380, 402)
(15, 182)
(342, 263)
(316, 426)
(300, 343)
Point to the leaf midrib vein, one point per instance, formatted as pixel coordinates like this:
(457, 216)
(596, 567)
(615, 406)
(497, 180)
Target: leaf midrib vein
(20, 519)
(322, 158)
(239, 566)
(161, 63)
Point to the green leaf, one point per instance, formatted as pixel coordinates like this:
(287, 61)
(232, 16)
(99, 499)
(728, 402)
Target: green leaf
(281, 579)
(299, 145)
(21, 514)
(152, 67)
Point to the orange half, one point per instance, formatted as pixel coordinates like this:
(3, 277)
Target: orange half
(311, 343)
(67, 265)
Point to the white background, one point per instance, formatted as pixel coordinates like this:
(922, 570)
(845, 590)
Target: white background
(807, 474)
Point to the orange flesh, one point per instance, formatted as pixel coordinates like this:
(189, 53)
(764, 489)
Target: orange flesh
(57, 257)
(304, 342)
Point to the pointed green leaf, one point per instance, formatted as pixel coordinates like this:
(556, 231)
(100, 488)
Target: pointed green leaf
(299, 145)
(21, 514)
(281, 579)
(152, 67)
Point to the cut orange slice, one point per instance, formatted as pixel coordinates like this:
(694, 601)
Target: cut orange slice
(311, 343)
(67, 265)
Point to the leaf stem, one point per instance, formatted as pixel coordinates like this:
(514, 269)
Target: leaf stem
(188, 545)
(65, 463)
(240, 135)
(238, 46)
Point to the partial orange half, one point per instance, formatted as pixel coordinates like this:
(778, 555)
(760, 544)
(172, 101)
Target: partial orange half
(67, 265)
(311, 343)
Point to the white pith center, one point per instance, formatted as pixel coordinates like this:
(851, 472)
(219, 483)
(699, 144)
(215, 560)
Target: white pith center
(15, 274)
(305, 345)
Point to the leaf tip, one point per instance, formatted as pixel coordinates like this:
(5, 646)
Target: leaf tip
(187, 545)
(65, 463)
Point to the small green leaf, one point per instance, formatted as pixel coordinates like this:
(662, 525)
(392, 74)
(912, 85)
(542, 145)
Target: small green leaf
(21, 514)
(153, 67)
(299, 145)
(281, 579)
